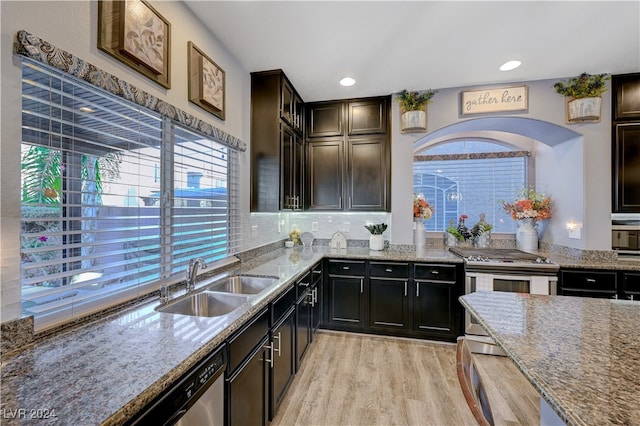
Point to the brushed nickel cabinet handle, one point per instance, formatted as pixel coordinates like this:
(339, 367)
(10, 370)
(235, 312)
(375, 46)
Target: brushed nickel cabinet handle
(405, 289)
(361, 285)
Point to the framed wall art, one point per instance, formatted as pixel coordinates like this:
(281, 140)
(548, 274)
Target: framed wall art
(206, 82)
(134, 33)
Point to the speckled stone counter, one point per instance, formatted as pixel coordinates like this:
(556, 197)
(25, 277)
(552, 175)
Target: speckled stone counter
(581, 354)
(106, 371)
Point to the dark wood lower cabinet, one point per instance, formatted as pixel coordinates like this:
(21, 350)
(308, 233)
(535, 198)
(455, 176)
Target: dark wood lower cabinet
(346, 302)
(389, 304)
(284, 366)
(247, 389)
(394, 298)
(303, 326)
(434, 308)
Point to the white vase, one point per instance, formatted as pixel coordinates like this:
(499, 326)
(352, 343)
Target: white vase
(376, 242)
(526, 235)
(583, 109)
(541, 227)
(419, 235)
(413, 121)
(483, 240)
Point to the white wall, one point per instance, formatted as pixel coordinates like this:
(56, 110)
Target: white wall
(576, 172)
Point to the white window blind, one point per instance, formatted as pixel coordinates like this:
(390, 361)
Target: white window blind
(470, 177)
(115, 198)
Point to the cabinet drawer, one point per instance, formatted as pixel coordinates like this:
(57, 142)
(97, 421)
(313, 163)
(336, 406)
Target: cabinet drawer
(347, 267)
(303, 284)
(434, 272)
(282, 304)
(241, 344)
(589, 280)
(388, 270)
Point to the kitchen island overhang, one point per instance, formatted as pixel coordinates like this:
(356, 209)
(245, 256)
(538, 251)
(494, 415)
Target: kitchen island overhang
(581, 354)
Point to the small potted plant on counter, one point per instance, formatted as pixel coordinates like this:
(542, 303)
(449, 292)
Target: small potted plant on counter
(583, 96)
(376, 241)
(481, 232)
(413, 110)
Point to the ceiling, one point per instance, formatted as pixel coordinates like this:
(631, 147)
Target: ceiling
(388, 46)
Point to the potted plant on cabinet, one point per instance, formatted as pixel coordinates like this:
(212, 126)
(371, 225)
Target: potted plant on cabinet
(583, 96)
(413, 110)
(376, 241)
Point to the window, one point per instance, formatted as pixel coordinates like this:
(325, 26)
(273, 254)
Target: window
(115, 198)
(470, 177)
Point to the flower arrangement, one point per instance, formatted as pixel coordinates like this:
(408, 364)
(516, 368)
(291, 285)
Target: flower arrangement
(421, 208)
(376, 229)
(294, 235)
(530, 205)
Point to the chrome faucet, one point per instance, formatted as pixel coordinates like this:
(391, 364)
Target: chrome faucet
(192, 272)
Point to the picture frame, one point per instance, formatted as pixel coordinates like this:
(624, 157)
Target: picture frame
(134, 33)
(494, 100)
(206, 82)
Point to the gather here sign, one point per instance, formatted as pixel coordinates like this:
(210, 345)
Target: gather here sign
(502, 99)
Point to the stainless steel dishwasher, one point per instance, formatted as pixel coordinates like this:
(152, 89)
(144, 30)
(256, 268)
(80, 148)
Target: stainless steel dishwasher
(196, 399)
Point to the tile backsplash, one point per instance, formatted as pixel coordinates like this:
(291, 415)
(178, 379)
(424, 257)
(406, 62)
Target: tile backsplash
(264, 228)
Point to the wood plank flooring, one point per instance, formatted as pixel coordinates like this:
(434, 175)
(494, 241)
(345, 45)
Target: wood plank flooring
(354, 379)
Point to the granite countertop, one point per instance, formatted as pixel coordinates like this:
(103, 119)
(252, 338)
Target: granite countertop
(581, 354)
(106, 371)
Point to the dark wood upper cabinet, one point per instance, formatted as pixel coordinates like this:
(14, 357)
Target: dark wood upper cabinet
(276, 153)
(626, 168)
(325, 159)
(626, 92)
(625, 143)
(368, 117)
(348, 170)
(366, 173)
(325, 119)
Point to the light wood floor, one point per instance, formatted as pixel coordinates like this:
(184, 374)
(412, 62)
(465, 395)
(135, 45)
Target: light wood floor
(354, 379)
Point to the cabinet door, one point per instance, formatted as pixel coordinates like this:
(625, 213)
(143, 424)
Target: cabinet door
(631, 285)
(283, 371)
(626, 89)
(346, 302)
(368, 117)
(303, 326)
(389, 304)
(367, 179)
(325, 119)
(247, 390)
(626, 173)
(287, 102)
(324, 171)
(434, 307)
(290, 169)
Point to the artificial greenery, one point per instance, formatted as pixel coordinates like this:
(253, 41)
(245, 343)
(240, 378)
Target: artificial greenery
(376, 229)
(583, 86)
(413, 101)
(454, 231)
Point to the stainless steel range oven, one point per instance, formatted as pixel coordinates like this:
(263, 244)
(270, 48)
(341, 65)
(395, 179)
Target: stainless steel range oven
(510, 270)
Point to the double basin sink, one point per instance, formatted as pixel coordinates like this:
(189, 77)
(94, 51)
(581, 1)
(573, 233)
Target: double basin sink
(220, 298)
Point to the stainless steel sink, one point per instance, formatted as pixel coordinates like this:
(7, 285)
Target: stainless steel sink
(204, 304)
(243, 284)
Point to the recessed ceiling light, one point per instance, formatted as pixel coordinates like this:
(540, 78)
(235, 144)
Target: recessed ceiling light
(87, 109)
(510, 65)
(347, 81)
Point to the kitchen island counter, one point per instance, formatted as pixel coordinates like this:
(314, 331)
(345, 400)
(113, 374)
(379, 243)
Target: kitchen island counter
(581, 354)
(106, 371)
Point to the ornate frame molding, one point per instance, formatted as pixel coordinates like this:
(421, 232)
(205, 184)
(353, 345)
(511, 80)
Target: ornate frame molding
(40, 50)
